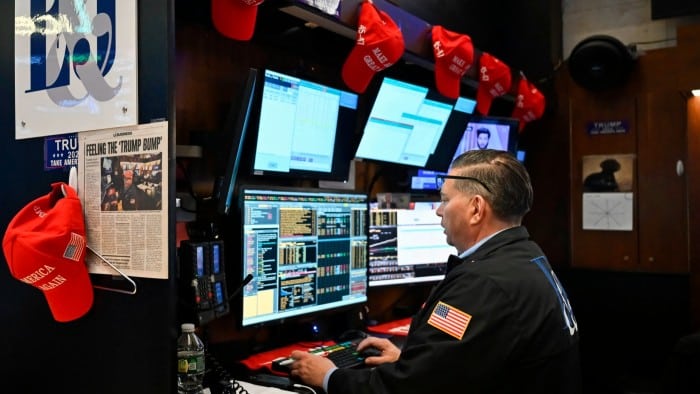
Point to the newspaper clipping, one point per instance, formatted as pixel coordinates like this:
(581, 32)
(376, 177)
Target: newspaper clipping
(123, 186)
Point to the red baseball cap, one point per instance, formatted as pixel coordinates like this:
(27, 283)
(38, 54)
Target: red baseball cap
(235, 18)
(44, 246)
(378, 46)
(529, 104)
(494, 81)
(454, 54)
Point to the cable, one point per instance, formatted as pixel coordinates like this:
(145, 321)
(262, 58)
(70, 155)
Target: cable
(301, 386)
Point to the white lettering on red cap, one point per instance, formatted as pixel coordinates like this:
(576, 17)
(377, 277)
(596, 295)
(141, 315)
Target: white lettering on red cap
(371, 64)
(529, 116)
(458, 61)
(38, 274)
(455, 69)
(380, 58)
(497, 90)
(484, 73)
(53, 283)
(361, 30)
(253, 2)
(439, 52)
(38, 211)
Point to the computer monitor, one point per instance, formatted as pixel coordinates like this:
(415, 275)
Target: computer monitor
(303, 129)
(236, 127)
(412, 125)
(306, 250)
(407, 245)
(481, 132)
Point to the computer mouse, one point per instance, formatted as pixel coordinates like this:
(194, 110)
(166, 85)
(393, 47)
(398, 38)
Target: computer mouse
(370, 352)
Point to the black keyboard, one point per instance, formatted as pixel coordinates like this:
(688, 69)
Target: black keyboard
(343, 355)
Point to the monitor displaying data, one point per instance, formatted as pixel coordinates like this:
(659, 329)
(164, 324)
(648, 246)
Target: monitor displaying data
(407, 245)
(303, 128)
(306, 250)
(412, 125)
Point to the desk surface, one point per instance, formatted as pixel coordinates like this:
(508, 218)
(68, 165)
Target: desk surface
(263, 360)
(396, 327)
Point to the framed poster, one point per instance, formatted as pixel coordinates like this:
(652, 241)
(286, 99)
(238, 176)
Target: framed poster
(75, 66)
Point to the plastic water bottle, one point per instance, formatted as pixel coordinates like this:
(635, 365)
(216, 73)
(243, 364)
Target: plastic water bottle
(190, 361)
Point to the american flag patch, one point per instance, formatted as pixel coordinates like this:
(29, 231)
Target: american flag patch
(75, 247)
(449, 319)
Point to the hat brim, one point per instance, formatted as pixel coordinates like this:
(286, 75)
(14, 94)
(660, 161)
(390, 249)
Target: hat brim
(447, 82)
(73, 298)
(483, 99)
(356, 73)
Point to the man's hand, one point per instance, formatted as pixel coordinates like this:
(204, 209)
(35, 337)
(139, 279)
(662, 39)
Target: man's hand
(390, 352)
(310, 368)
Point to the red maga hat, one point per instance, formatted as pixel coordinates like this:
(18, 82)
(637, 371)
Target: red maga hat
(44, 246)
(454, 54)
(378, 46)
(494, 81)
(235, 18)
(529, 103)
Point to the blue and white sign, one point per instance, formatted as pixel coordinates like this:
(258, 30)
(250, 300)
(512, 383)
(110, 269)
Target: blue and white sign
(602, 127)
(61, 151)
(75, 66)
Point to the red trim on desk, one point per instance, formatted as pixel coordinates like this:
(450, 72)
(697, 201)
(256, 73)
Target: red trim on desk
(396, 327)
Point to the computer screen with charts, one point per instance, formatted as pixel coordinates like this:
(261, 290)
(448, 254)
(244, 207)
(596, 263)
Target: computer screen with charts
(303, 128)
(407, 245)
(306, 250)
(412, 125)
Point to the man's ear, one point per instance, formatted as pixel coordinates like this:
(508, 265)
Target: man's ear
(477, 207)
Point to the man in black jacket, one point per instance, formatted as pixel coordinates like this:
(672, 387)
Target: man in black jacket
(500, 321)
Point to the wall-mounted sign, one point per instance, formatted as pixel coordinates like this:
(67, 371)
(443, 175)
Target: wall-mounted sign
(608, 127)
(75, 66)
(61, 151)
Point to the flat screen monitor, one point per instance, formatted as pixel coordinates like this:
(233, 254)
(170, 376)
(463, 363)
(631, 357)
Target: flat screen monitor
(304, 129)
(481, 132)
(407, 245)
(236, 127)
(412, 125)
(306, 250)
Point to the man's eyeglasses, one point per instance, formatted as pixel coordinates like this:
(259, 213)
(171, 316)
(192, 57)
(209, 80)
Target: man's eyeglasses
(440, 180)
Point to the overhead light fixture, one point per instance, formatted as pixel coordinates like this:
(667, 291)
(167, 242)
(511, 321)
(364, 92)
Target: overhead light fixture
(695, 92)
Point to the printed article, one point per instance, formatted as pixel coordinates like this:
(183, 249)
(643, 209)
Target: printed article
(123, 175)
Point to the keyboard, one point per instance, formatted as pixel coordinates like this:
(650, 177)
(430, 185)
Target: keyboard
(343, 355)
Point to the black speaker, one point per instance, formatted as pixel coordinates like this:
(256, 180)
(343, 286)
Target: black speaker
(601, 62)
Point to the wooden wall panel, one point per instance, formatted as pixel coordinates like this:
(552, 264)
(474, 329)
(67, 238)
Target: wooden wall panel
(662, 205)
(693, 169)
(597, 248)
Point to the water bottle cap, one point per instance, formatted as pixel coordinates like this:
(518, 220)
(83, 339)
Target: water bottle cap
(187, 327)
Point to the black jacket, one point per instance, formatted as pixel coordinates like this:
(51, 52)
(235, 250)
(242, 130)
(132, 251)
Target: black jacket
(521, 336)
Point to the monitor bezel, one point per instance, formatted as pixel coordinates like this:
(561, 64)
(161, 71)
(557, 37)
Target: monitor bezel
(237, 123)
(310, 315)
(346, 135)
